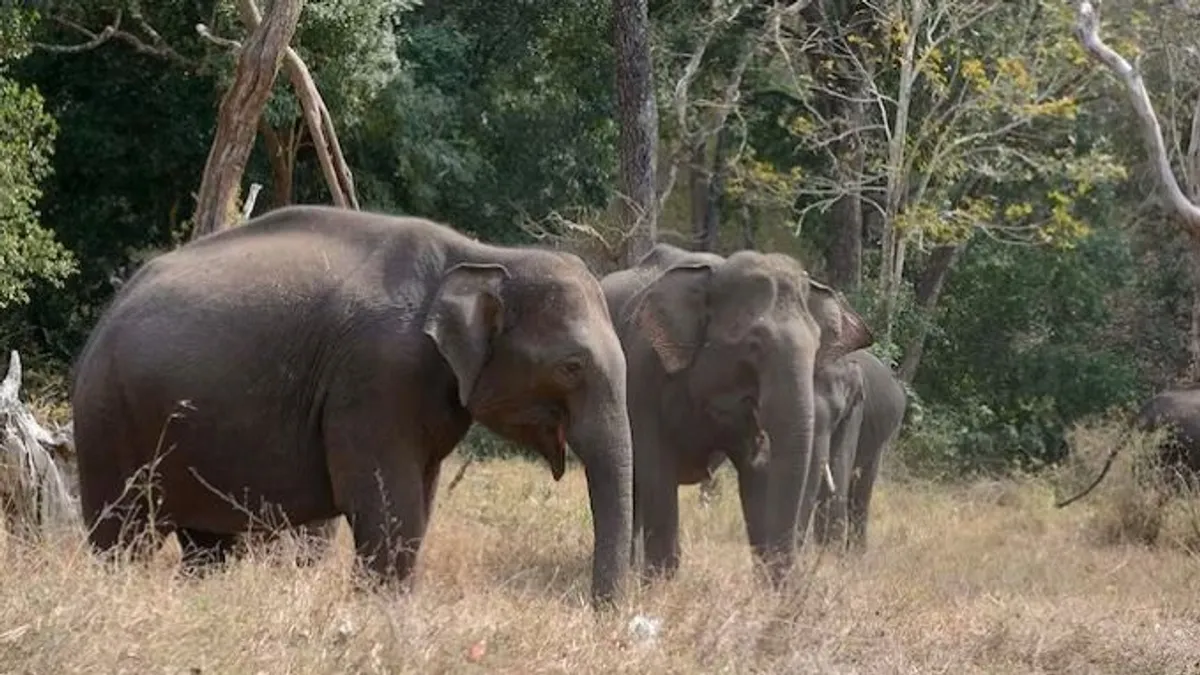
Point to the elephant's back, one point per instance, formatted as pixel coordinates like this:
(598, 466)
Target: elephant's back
(277, 271)
(1174, 406)
(247, 306)
(619, 287)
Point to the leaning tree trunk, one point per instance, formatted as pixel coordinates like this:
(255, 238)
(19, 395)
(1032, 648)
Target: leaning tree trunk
(929, 291)
(237, 123)
(637, 114)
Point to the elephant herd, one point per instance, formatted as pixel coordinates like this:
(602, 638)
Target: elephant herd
(319, 362)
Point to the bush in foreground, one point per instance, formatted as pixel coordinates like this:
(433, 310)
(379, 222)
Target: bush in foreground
(1137, 502)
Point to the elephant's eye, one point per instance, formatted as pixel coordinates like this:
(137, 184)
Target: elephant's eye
(570, 369)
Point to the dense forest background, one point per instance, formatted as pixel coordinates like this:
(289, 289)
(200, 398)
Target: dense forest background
(961, 169)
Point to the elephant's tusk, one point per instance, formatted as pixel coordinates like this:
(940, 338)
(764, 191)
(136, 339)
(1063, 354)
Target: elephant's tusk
(829, 479)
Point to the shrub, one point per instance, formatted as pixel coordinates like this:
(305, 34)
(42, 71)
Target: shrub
(1137, 502)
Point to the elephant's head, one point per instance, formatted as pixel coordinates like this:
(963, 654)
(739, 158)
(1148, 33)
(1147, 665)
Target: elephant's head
(536, 359)
(839, 388)
(747, 335)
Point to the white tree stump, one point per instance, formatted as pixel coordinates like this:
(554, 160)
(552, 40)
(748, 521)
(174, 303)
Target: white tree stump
(34, 492)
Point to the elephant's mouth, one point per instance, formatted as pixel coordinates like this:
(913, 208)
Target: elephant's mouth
(543, 428)
(556, 449)
(743, 418)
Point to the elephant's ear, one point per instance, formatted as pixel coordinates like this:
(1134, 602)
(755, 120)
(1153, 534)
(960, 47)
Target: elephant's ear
(670, 313)
(466, 314)
(842, 329)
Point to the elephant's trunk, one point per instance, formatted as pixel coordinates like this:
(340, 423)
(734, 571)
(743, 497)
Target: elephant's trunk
(789, 411)
(600, 436)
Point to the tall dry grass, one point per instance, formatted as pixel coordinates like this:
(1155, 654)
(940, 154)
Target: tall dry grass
(980, 578)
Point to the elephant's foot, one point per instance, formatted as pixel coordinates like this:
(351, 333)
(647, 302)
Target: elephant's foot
(202, 551)
(128, 533)
(658, 573)
(661, 561)
(311, 541)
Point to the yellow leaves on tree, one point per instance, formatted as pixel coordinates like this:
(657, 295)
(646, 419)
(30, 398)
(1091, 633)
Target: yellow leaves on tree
(762, 184)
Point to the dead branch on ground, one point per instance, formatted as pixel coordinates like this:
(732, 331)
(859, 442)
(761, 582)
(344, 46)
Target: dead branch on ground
(33, 489)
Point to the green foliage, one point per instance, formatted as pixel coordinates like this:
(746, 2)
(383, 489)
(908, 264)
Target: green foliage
(28, 251)
(1071, 297)
(1025, 347)
(480, 443)
(349, 46)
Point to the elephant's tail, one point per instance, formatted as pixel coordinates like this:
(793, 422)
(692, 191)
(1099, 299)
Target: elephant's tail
(1112, 455)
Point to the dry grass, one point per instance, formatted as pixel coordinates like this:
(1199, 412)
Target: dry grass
(985, 578)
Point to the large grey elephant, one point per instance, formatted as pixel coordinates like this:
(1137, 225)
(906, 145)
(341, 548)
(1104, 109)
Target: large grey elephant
(722, 354)
(319, 361)
(865, 404)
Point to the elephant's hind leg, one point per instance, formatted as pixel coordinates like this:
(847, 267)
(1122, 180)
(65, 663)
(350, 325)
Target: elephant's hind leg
(119, 521)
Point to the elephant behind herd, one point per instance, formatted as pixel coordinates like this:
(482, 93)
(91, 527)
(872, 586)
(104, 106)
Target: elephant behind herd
(318, 362)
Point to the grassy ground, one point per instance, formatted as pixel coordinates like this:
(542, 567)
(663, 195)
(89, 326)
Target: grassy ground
(981, 578)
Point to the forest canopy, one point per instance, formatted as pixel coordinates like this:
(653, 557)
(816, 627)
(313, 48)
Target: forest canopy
(962, 170)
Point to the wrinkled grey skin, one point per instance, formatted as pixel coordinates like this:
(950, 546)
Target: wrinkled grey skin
(721, 353)
(866, 403)
(1179, 410)
(330, 360)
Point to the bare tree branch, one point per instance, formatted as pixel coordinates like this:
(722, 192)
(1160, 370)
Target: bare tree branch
(1087, 30)
(724, 106)
(93, 39)
(156, 46)
(216, 39)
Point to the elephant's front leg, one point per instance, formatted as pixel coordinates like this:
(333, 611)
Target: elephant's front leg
(829, 523)
(656, 499)
(752, 491)
(388, 519)
(862, 485)
(814, 480)
(379, 483)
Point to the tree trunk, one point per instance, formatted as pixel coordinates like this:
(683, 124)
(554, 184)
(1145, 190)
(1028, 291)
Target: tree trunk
(281, 152)
(637, 115)
(237, 123)
(928, 292)
(1087, 31)
(749, 228)
(891, 268)
(716, 191)
(320, 124)
(845, 255)
(1193, 370)
(834, 21)
(698, 184)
